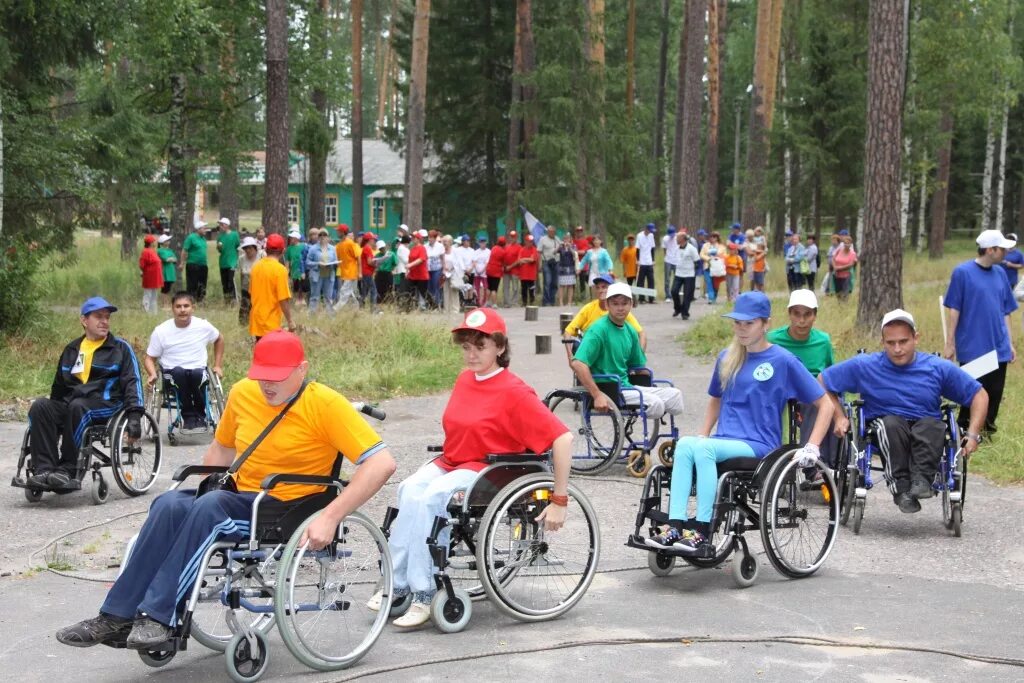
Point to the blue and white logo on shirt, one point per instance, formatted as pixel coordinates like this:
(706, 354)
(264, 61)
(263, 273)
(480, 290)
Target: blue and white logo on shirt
(764, 372)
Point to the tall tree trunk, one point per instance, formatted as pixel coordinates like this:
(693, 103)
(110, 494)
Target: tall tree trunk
(181, 218)
(385, 83)
(689, 210)
(716, 72)
(881, 254)
(905, 194)
(1, 163)
(986, 178)
(275, 192)
(413, 204)
(515, 126)
(595, 157)
(937, 235)
(657, 193)
(630, 56)
(997, 220)
(921, 238)
(317, 188)
(678, 162)
(227, 191)
(357, 114)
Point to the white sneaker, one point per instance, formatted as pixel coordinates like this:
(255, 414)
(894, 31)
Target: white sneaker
(418, 614)
(668, 299)
(374, 602)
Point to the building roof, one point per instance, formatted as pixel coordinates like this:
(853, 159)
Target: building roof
(382, 165)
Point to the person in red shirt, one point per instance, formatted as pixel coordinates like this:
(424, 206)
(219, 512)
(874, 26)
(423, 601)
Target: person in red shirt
(367, 267)
(529, 260)
(495, 269)
(490, 410)
(510, 280)
(152, 275)
(417, 274)
(582, 244)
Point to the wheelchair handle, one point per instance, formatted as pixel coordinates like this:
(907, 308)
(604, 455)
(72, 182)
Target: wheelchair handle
(272, 480)
(186, 471)
(372, 411)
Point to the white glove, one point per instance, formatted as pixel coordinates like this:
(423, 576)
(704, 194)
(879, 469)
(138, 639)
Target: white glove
(807, 456)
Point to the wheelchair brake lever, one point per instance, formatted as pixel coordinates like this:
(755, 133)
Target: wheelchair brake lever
(372, 411)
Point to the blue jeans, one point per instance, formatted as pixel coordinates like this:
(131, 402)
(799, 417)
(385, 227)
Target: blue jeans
(701, 453)
(368, 290)
(323, 285)
(670, 273)
(550, 282)
(708, 289)
(434, 287)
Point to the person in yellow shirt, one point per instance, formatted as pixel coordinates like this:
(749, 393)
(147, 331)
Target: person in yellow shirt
(628, 256)
(142, 605)
(348, 267)
(268, 289)
(595, 310)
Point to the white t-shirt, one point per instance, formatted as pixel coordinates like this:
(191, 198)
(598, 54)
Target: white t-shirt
(403, 259)
(645, 245)
(435, 252)
(671, 250)
(480, 258)
(182, 347)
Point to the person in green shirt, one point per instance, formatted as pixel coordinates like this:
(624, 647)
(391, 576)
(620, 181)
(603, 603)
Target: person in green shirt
(227, 244)
(193, 253)
(384, 277)
(813, 348)
(296, 266)
(168, 258)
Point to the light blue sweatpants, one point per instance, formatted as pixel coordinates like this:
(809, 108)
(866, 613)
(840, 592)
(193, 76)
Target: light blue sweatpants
(702, 453)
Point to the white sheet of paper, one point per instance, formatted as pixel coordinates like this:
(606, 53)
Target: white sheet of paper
(979, 367)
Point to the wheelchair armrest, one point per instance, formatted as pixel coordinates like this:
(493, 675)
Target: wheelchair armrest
(611, 379)
(666, 382)
(516, 457)
(272, 480)
(186, 471)
(435, 449)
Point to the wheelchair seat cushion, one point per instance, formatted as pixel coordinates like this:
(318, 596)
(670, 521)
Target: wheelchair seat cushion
(738, 465)
(278, 519)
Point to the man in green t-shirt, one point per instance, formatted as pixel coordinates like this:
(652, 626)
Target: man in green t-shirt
(227, 244)
(168, 258)
(611, 347)
(193, 253)
(296, 268)
(814, 349)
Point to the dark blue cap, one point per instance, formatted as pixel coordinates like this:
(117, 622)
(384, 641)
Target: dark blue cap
(605, 278)
(97, 303)
(843, 232)
(750, 306)
(650, 226)
(702, 231)
(671, 229)
(736, 226)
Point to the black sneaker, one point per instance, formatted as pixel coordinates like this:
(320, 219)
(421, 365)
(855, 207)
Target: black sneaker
(39, 480)
(813, 481)
(692, 542)
(58, 480)
(95, 631)
(907, 503)
(665, 539)
(148, 633)
(921, 488)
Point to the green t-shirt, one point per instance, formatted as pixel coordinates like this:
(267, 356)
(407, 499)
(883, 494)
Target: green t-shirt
(228, 244)
(815, 353)
(167, 256)
(608, 349)
(389, 262)
(293, 254)
(195, 248)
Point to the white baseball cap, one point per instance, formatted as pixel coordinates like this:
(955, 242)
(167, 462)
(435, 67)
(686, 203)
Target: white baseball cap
(296, 234)
(199, 225)
(994, 238)
(381, 244)
(803, 297)
(163, 239)
(618, 289)
(403, 227)
(225, 221)
(249, 241)
(900, 316)
(422, 233)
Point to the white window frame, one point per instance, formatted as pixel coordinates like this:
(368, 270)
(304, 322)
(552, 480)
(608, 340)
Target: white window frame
(293, 208)
(378, 212)
(329, 207)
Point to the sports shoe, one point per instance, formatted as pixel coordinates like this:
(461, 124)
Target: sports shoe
(692, 542)
(418, 614)
(375, 601)
(147, 633)
(907, 503)
(40, 480)
(100, 629)
(664, 540)
(921, 488)
(814, 481)
(58, 480)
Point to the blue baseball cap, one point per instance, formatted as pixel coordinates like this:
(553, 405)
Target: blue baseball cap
(750, 306)
(671, 229)
(651, 227)
(605, 278)
(97, 303)
(736, 226)
(843, 232)
(702, 231)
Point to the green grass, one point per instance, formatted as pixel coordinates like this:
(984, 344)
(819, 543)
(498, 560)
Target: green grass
(1002, 460)
(366, 357)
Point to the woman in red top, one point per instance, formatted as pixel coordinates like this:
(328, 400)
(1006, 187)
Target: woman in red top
(152, 275)
(495, 269)
(417, 274)
(490, 411)
(367, 267)
(529, 259)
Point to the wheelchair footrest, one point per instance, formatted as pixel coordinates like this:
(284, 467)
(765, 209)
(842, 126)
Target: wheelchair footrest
(635, 541)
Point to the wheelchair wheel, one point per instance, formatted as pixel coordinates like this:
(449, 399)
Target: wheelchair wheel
(451, 613)
(400, 606)
(953, 500)
(247, 660)
(210, 626)
(215, 398)
(638, 464)
(135, 465)
(744, 569)
(858, 513)
(660, 564)
(598, 434)
(33, 495)
(99, 490)
(154, 402)
(156, 658)
(667, 453)
(851, 476)
(321, 595)
(531, 574)
(798, 529)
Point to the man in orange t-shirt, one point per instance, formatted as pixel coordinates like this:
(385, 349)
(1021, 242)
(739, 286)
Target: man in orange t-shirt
(268, 289)
(628, 256)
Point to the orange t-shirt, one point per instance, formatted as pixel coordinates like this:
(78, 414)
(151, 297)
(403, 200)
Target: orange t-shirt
(628, 257)
(759, 262)
(733, 265)
(348, 259)
(268, 287)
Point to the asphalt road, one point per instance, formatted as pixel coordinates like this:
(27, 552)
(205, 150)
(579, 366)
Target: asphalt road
(904, 585)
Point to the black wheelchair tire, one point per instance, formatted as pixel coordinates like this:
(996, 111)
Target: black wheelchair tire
(150, 434)
(33, 495)
(580, 432)
(244, 665)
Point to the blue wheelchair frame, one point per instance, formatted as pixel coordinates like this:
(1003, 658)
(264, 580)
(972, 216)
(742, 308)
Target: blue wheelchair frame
(165, 397)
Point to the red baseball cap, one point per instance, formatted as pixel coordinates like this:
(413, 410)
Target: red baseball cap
(149, 239)
(342, 228)
(275, 242)
(276, 355)
(485, 320)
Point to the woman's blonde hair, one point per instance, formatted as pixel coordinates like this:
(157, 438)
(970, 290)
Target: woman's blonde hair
(734, 358)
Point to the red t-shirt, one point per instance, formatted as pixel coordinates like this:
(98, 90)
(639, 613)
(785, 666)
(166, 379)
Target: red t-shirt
(366, 259)
(495, 267)
(528, 271)
(501, 414)
(152, 269)
(582, 247)
(418, 272)
(511, 256)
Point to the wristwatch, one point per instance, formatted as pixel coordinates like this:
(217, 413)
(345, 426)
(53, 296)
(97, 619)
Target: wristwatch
(976, 438)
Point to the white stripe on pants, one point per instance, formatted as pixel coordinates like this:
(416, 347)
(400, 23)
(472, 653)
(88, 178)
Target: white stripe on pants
(421, 498)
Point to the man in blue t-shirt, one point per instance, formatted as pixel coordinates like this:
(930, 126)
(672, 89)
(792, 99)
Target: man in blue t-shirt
(902, 392)
(1012, 262)
(980, 302)
(611, 347)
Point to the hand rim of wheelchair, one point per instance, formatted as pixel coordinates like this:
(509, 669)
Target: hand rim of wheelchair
(582, 429)
(501, 591)
(119, 448)
(284, 595)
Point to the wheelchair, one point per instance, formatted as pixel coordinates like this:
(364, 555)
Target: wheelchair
(163, 398)
(623, 433)
(316, 598)
(797, 527)
(497, 550)
(134, 465)
(859, 448)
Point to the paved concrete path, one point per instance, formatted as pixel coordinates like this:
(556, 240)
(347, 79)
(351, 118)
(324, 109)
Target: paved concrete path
(903, 583)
